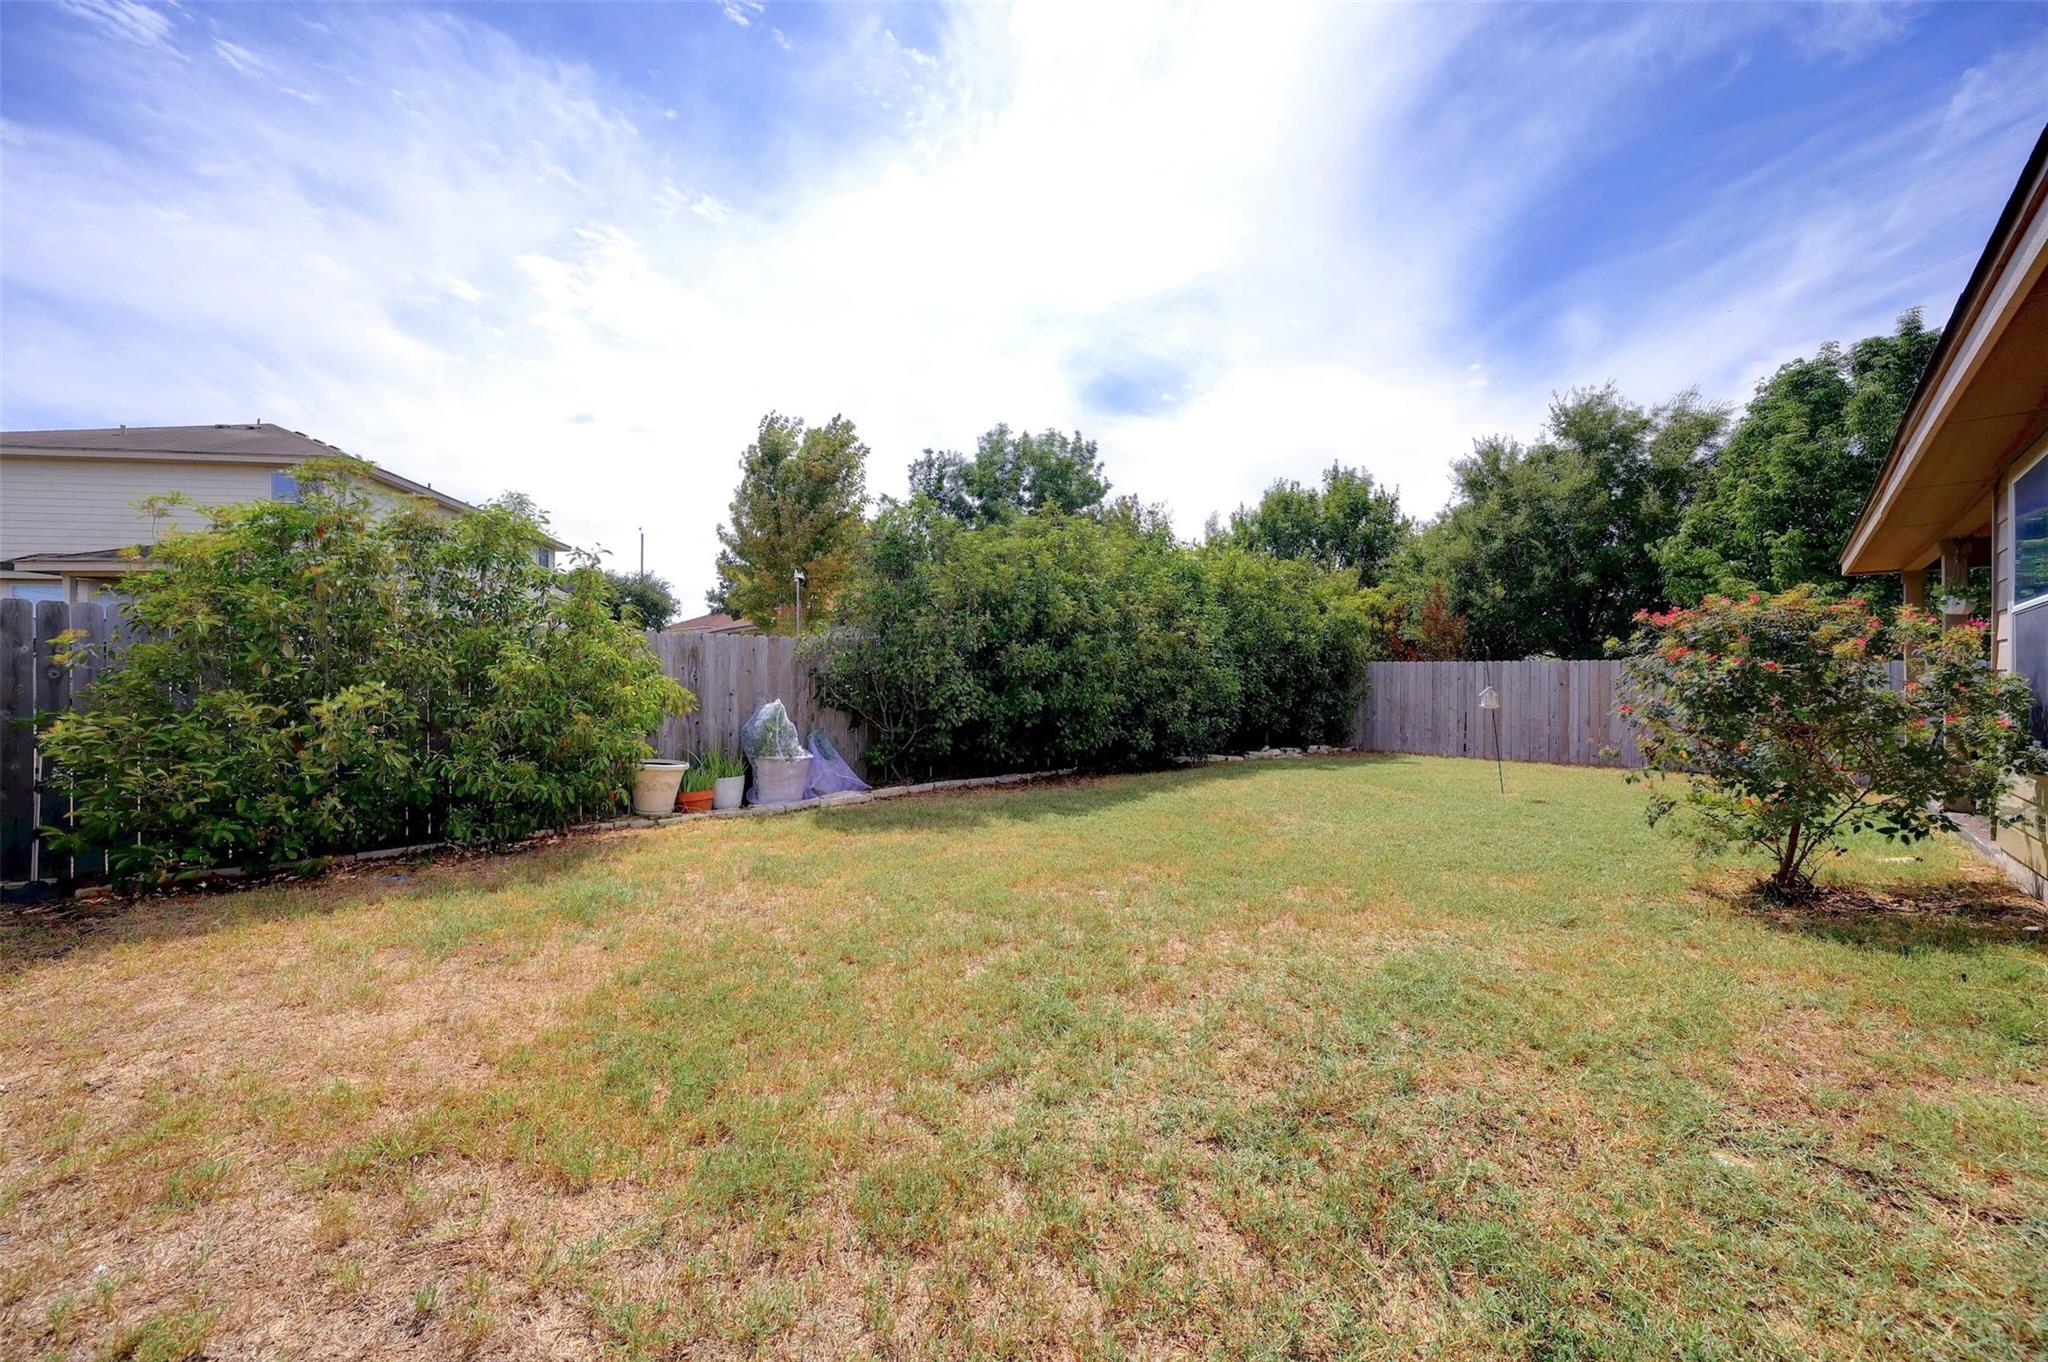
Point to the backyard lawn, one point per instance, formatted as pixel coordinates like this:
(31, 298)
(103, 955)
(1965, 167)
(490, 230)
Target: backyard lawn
(1329, 1058)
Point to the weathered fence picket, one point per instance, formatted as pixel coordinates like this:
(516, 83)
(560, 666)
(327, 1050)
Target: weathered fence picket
(17, 740)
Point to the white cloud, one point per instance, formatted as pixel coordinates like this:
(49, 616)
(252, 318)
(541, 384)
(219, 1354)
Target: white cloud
(129, 20)
(241, 58)
(481, 270)
(710, 207)
(1850, 28)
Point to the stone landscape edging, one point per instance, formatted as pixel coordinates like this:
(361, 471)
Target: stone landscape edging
(850, 797)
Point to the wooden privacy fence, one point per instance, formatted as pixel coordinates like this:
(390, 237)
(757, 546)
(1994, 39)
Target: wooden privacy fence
(1549, 711)
(732, 676)
(31, 680)
(1561, 712)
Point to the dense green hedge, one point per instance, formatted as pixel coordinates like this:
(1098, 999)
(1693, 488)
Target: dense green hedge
(315, 677)
(1050, 640)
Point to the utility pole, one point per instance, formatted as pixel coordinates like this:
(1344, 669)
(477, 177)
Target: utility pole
(643, 550)
(800, 580)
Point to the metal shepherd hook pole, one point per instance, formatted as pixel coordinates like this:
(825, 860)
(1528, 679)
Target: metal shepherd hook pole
(1489, 703)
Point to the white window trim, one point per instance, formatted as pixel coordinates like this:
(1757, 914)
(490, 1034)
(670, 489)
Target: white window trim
(37, 591)
(2011, 534)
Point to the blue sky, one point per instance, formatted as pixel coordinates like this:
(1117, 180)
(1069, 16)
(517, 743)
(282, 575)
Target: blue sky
(579, 250)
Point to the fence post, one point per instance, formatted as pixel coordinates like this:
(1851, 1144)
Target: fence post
(53, 692)
(17, 739)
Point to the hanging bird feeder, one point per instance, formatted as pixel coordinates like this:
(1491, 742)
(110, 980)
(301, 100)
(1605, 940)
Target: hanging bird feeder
(1489, 703)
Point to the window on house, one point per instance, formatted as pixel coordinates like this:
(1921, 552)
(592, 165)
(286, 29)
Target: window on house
(545, 557)
(2029, 618)
(38, 591)
(2030, 659)
(283, 487)
(2030, 535)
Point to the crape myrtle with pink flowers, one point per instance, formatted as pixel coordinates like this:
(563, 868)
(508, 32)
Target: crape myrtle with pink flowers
(1772, 724)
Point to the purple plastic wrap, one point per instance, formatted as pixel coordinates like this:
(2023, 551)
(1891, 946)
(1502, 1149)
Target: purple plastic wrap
(829, 772)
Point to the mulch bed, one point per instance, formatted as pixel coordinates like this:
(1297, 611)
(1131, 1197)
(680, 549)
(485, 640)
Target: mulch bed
(1983, 907)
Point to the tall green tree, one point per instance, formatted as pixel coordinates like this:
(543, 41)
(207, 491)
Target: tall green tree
(798, 508)
(1779, 501)
(1348, 524)
(648, 600)
(1550, 548)
(1012, 473)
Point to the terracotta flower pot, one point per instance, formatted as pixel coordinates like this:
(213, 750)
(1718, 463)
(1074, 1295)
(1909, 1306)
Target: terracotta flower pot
(695, 801)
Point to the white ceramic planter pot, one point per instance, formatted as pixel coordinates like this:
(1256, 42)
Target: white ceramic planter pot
(728, 791)
(780, 780)
(655, 786)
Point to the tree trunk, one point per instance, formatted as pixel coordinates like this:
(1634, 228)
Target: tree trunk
(1788, 863)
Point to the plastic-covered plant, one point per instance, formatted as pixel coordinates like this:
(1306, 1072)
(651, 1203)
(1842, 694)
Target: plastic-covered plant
(771, 734)
(1779, 716)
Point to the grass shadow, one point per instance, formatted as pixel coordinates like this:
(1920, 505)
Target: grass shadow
(1963, 915)
(38, 932)
(1067, 796)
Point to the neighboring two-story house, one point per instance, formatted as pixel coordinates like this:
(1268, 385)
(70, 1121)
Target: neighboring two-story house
(70, 499)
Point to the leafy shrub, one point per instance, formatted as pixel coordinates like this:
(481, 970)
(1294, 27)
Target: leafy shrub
(1296, 636)
(892, 659)
(1051, 640)
(313, 677)
(1779, 715)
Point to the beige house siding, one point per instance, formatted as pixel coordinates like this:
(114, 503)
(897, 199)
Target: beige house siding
(69, 505)
(2026, 837)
